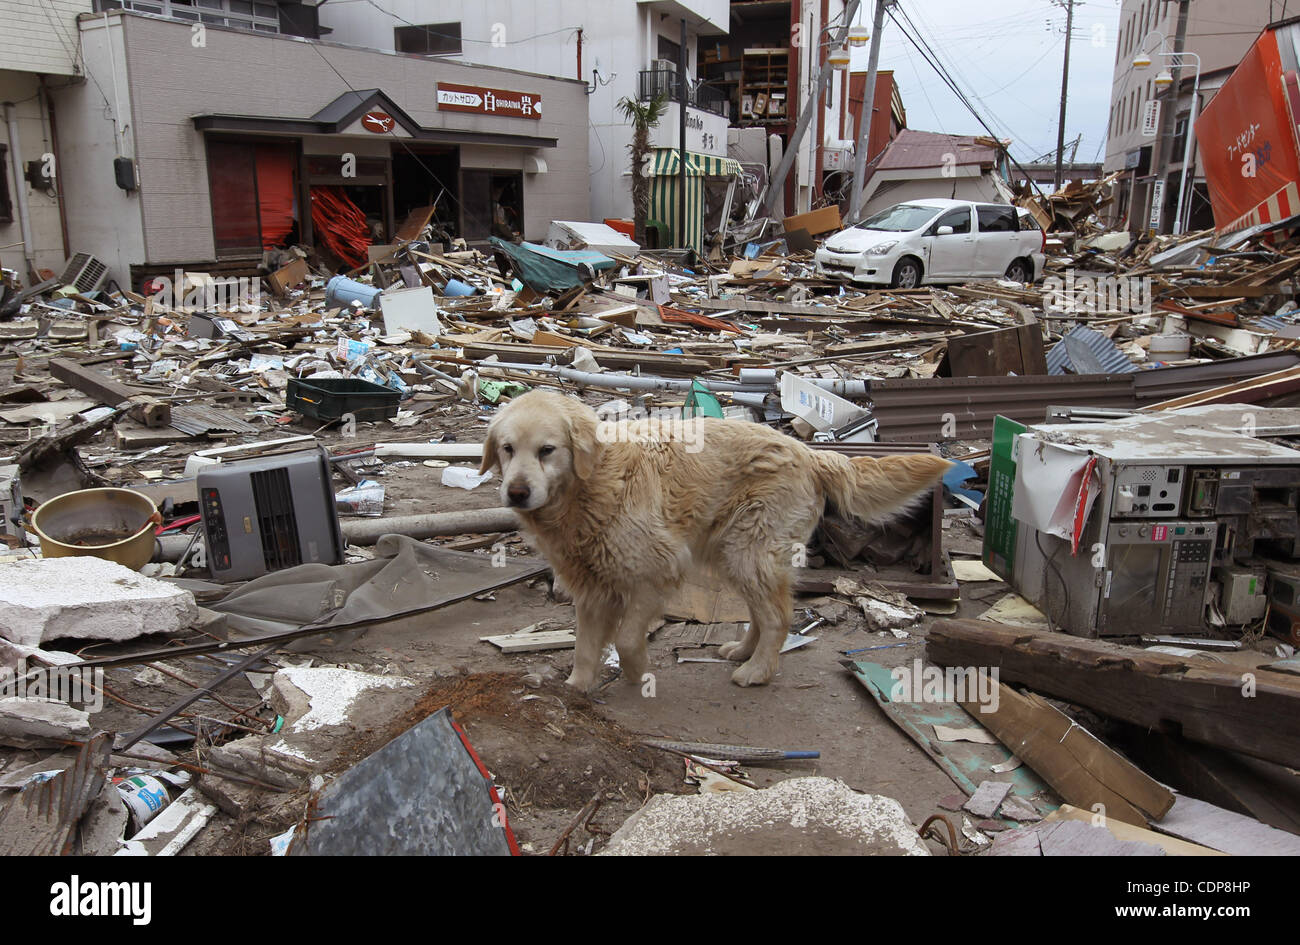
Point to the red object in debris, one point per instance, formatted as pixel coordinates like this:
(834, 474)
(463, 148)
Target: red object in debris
(670, 314)
(185, 522)
(626, 227)
(339, 224)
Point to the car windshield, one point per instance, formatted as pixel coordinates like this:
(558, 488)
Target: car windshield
(901, 218)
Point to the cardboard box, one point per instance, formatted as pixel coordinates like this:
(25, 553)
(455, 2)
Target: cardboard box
(284, 279)
(824, 220)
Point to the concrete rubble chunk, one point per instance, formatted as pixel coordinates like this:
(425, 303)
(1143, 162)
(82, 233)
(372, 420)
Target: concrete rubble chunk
(810, 816)
(28, 723)
(86, 598)
(319, 697)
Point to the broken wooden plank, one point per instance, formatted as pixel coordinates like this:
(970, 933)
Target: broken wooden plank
(150, 411)
(530, 642)
(1208, 703)
(1067, 756)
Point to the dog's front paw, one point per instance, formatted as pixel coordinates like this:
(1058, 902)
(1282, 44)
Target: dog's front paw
(581, 683)
(735, 650)
(559, 593)
(755, 672)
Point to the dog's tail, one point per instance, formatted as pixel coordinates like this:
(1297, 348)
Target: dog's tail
(873, 488)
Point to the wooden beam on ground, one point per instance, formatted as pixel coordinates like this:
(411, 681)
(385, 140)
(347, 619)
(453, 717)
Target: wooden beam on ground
(148, 410)
(1209, 703)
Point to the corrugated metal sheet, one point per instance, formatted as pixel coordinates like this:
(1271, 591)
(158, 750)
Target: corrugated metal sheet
(1152, 387)
(196, 421)
(1065, 354)
(916, 410)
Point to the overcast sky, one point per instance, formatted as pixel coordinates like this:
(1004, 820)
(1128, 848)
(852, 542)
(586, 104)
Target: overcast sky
(1006, 56)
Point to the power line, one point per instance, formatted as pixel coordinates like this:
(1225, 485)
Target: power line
(928, 54)
(393, 133)
(1006, 129)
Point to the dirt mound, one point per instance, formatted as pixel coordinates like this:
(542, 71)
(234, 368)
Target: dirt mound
(548, 746)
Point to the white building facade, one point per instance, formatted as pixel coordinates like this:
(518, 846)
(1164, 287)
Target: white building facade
(614, 46)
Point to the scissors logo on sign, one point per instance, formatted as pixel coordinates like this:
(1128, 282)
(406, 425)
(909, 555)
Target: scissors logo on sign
(378, 122)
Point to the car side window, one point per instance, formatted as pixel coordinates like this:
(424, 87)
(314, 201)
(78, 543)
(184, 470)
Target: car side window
(958, 219)
(997, 220)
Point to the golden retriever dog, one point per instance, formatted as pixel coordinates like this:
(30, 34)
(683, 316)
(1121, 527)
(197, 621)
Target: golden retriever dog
(622, 510)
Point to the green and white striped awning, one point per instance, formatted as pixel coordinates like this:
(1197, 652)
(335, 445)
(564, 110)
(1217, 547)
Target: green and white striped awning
(665, 180)
(667, 162)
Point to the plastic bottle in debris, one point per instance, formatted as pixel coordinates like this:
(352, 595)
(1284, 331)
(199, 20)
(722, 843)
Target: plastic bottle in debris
(145, 795)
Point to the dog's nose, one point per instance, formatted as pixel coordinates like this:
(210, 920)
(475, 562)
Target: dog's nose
(517, 494)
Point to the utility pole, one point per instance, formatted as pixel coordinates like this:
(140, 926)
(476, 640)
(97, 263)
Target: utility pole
(777, 184)
(1065, 84)
(681, 140)
(1167, 116)
(868, 110)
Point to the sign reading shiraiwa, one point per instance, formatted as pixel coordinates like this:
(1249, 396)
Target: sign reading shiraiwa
(485, 101)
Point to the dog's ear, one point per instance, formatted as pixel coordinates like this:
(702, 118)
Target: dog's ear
(489, 449)
(584, 442)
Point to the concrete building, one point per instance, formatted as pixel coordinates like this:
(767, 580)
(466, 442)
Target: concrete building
(615, 48)
(239, 136)
(750, 65)
(39, 53)
(766, 67)
(1219, 32)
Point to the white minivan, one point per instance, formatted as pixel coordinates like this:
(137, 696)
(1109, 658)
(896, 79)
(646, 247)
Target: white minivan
(935, 240)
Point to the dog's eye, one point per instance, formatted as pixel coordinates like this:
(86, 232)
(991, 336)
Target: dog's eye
(546, 451)
(508, 450)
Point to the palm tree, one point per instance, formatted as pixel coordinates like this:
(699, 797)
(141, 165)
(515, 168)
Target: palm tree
(643, 116)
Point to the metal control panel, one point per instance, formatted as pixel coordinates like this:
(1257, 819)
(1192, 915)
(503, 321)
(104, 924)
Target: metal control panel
(1157, 575)
(1148, 491)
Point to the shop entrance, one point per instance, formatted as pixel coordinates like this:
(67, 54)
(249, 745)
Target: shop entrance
(492, 204)
(428, 177)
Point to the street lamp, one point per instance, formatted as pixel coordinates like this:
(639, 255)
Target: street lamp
(839, 58)
(1164, 80)
(859, 35)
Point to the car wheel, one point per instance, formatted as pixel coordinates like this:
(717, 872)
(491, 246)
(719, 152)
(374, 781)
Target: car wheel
(907, 274)
(1019, 271)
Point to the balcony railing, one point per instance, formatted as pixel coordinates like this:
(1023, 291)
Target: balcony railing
(655, 82)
